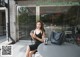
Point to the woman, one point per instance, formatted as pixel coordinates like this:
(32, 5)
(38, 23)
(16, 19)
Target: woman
(38, 36)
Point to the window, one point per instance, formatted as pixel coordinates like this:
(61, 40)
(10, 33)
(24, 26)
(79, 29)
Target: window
(60, 18)
(27, 20)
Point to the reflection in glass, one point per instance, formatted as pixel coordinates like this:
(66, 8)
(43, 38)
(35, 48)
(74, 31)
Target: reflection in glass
(60, 18)
(27, 20)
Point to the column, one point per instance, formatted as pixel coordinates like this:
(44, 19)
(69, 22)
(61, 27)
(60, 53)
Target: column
(37, 13)
(13, 20)
(6, 15)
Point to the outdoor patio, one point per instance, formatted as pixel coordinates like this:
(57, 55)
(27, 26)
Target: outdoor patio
(2, 39)
(19, 48)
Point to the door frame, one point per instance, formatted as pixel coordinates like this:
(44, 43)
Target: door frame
(17, 23)
(6, 17)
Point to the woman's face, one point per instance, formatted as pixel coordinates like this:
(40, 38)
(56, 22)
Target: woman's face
(38, 25)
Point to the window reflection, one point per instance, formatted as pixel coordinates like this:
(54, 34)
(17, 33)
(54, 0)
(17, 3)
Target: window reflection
(60, 15)
(60, 18)
(27, 20)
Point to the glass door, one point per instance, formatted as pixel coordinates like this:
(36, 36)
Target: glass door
(27, 20)
(60, 18)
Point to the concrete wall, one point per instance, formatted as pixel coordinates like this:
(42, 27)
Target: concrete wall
(0, 23)
(13, 19)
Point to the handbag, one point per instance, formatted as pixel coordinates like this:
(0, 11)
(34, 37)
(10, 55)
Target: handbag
(56, 38)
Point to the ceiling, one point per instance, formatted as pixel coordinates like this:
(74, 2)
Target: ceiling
(46, 2)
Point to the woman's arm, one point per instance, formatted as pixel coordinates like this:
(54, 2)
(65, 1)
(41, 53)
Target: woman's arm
(43, 36)
(32, 35)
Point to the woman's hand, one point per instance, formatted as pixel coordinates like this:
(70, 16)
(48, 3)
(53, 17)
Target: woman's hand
(34, 36)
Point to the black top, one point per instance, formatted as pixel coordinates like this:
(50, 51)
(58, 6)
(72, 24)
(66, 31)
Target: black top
(39, 36)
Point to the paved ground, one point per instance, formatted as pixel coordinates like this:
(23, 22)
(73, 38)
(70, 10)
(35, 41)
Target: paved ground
(19, 49)
(2, 39)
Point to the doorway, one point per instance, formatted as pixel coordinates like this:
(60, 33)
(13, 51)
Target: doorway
(2, 26)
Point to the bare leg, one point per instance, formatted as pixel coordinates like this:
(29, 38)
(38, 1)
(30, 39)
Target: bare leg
(27, 51)
(31, 53)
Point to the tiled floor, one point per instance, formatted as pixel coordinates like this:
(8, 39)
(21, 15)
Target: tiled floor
(19, 49)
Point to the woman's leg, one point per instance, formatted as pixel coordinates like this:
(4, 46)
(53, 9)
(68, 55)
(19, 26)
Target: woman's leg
(31, 53)
(27, 51)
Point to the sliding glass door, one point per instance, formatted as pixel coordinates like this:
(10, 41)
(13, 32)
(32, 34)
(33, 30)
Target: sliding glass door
(27, 20)
(55, 18)
(60, 18)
